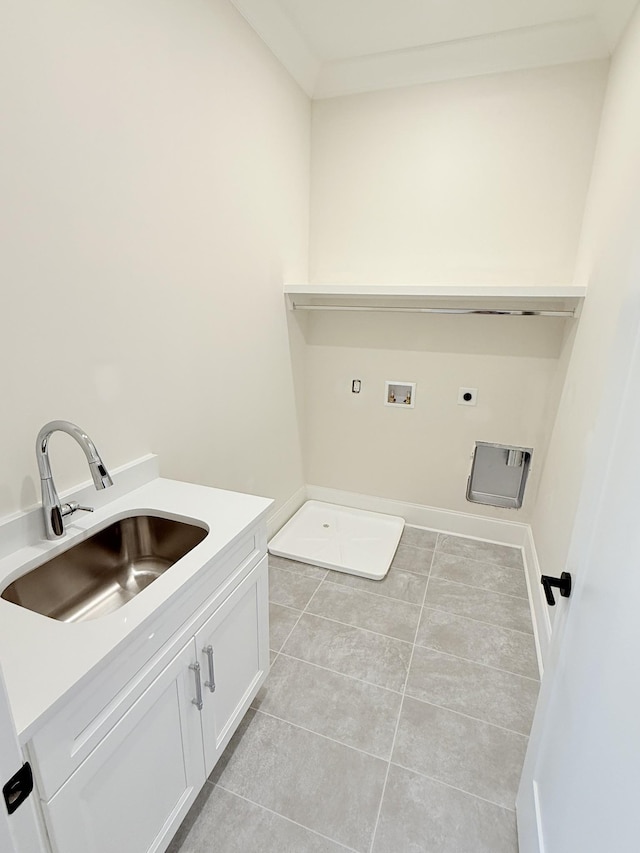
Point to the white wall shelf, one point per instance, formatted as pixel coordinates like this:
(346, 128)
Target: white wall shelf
(546, 301)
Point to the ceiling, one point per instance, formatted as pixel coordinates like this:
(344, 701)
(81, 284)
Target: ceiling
(337, 47)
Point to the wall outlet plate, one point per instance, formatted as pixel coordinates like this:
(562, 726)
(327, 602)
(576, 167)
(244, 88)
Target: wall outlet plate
(467, 396)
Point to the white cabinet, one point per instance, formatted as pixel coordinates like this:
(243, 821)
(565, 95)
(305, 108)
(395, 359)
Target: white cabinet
(134, 788)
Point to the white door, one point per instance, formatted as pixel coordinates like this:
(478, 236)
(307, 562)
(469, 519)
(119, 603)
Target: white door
(18, 831)
(233, 645)
(580, 788)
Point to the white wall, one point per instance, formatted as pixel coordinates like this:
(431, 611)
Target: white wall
(478, 181)
(154, 172)
(609, 263)
(475, 181)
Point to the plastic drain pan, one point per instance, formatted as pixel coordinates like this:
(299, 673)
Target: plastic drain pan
(340, 538)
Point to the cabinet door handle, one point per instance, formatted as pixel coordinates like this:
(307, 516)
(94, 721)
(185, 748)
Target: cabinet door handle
(211, 683)
(198, 700)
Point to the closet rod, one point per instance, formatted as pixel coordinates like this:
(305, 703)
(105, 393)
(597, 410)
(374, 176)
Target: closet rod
(490, 312)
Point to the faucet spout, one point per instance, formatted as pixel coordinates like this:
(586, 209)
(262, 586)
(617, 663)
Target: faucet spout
(53, 511)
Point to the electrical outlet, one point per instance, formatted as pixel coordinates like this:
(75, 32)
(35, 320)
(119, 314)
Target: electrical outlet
(467, 396)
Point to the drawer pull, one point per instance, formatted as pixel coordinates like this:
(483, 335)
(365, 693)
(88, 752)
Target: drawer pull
(198, 700)
(211, 683)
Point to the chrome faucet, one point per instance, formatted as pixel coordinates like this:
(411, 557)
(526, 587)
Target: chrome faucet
(54, 511)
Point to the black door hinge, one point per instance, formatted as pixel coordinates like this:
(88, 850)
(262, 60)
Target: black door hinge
(18, 788)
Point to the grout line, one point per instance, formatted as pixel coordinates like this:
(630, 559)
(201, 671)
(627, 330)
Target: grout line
(467, 716)
(453, 787)
(519, 548)
(479, 621)
(343, 674)
(408, 571)
(323, 735)
(286, 606)
(417, 547)
(478, 663)
(301, 574)
(481, 588)
(520, 569)
(295, 571)
(379, 594)
(395, 733)
(393, 567)
(357, 591)
(286, 639)
(284, 817)
(357, 627)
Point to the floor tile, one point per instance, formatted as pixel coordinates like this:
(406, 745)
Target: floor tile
(304, 569)
(489, 644)
(352, 651)
(476, 757)
(483, 605)
(281, 621)
(376, 613)
(222, 821)
(487, 552)
(412, 559)
(483, 575)
(352, 712)
(305, 771)
(419, 537)
(422, 816)
(289, 589)
(405, 586)
(489, 694)
(323, 785)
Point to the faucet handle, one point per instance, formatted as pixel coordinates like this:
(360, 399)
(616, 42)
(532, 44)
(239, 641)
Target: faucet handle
(73, 506)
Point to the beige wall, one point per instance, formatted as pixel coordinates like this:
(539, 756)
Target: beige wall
(477, 181)
(422, 455)
(609, 263)
(155, 169)
(480, 180)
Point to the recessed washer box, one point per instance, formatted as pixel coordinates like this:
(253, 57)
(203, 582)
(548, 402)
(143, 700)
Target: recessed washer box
(400, 394)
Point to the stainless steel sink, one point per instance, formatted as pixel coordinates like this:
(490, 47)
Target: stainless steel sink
(99, 575)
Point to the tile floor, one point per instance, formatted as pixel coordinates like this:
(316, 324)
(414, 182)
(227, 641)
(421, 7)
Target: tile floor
(396, 714)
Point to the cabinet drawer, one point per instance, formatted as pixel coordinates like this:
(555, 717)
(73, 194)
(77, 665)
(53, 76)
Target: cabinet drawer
(81, 723)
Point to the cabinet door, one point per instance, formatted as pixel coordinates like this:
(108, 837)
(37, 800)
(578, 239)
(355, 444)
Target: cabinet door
(233, 645)
(134, 789)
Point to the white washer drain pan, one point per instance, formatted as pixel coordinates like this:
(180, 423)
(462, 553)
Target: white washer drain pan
(340, 538)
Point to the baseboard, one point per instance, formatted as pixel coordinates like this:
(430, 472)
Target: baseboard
(530, 837)
(444, 520)
(284, 512)
(537, 601)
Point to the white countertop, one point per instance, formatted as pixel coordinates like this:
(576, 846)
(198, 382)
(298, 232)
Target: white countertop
(42, 658)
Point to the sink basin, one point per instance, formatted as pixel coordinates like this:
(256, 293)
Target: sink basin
(105, 571)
